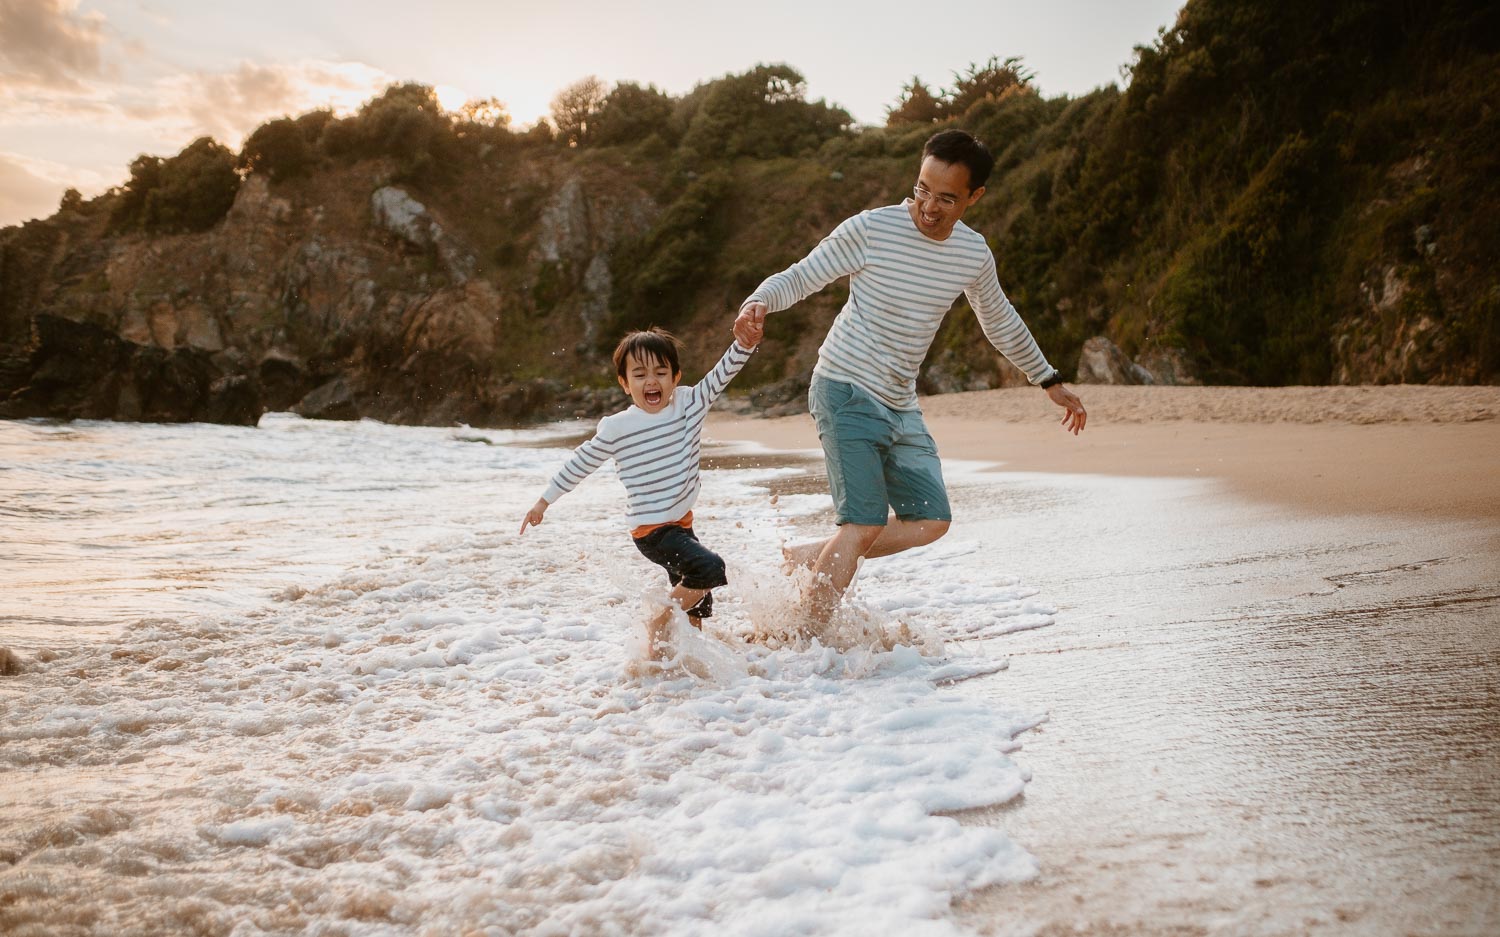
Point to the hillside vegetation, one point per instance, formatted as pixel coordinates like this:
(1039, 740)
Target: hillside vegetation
(1279, 195)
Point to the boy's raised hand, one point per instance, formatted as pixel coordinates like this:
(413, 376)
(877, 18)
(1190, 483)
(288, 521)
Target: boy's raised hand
(533, 517)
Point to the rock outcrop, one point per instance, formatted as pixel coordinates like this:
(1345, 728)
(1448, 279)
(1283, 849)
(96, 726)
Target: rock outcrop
(1102, 362)
(83, 371)
(400, 214)
(1394, 338)
(319, 300)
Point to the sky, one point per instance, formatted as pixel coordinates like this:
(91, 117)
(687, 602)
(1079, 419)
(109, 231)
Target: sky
(88, 85)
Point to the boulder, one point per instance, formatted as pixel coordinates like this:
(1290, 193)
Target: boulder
(409, 219)
(1102, 362)
(332, 401)
(1166, 365)
(79, 370)
(283, 379)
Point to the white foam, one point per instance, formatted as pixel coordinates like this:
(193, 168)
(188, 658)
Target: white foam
(457, 734)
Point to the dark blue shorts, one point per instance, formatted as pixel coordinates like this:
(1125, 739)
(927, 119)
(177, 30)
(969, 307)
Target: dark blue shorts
(687, 562)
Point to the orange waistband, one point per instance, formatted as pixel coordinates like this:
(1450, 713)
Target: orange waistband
(685, 520)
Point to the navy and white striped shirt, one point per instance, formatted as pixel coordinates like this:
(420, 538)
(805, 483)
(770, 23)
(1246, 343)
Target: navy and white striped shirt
(656, 453)
(901, 284)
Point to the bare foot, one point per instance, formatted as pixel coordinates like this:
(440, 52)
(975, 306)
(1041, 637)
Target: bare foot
(800, 555)
(658, 646)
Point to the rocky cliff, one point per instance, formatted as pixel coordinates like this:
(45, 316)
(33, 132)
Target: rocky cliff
(340, 298)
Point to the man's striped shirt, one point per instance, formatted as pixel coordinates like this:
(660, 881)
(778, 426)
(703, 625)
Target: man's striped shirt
(901, 284)
(656, 453)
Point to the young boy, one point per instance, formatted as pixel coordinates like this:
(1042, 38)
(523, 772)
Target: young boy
(655, 443)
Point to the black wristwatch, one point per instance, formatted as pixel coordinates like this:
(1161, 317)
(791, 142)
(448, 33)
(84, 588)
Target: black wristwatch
(1052, 381)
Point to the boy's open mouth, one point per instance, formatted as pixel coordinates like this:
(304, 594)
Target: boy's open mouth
(653, 397)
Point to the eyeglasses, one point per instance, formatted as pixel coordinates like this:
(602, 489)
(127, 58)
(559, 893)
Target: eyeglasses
(923, 194)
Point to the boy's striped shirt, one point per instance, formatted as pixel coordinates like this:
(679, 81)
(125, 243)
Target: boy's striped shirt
(901, 284)
(656, 453)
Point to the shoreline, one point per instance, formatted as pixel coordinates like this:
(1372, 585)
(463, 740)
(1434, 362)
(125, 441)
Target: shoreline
(1405, 450)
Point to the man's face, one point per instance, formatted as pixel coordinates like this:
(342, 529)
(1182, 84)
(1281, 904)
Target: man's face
(947, 197)
(649, 383)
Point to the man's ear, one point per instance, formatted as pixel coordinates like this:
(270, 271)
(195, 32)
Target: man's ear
(974, 195)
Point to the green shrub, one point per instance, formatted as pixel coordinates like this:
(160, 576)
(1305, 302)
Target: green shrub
(404, 123)
(656, 275)
(280, 149)
(631, 114)
(762, 113)
(191, 191)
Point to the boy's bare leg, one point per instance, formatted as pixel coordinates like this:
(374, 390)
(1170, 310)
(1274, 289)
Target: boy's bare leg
(656, 629)
(897, 535)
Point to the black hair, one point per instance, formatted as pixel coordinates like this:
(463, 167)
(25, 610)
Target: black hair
(653, 344)
(959, 147)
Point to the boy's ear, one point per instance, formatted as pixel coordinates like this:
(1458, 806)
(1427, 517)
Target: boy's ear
(624, 384)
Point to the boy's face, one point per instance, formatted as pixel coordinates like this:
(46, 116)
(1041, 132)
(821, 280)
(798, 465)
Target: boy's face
(649, 383)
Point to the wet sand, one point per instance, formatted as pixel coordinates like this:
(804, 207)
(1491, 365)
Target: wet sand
(1272, 680)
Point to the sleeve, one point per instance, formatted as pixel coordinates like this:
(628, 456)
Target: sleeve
(1003, 326)
(580, 465)
(706, 391)
(837, 255)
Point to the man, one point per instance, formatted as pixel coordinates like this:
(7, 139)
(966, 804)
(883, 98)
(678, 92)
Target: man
(906, 265)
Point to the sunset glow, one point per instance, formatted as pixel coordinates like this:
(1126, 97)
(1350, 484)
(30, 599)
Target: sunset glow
(87, 86)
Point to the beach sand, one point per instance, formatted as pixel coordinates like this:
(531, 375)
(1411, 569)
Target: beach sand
(1270, 682)
(1424, 450)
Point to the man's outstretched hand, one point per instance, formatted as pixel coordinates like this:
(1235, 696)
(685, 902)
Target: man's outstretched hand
(1076, 416)
(748, 331)
(750, 324)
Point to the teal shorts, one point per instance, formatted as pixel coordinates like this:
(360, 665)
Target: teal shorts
(879, 460)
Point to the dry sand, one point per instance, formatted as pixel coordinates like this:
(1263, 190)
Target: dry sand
(1430, 451)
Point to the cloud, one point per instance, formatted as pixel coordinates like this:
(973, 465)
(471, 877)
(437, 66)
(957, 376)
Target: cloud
(180, 107)
(47, 43)
(228, 105)
(31, 188)
(159, 117)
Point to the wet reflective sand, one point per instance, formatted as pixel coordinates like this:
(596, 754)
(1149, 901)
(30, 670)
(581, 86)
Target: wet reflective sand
(1261, 722)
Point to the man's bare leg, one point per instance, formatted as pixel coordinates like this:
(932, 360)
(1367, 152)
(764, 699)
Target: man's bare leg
(839, 559)
(897, 535)
(835, 568)
(657, 646)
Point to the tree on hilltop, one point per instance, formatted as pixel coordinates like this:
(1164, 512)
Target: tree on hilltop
(631, 113)
(995, 80)
(278, 148)
(917, 105)
(191, 191)
(762, 113)
(575, 108)
(992, 80)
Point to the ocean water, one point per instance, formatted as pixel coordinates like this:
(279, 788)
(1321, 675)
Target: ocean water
(307, 678)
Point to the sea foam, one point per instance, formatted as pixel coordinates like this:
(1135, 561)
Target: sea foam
(455, 732)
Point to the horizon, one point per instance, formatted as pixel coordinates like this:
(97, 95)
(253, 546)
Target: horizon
(89, 86)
